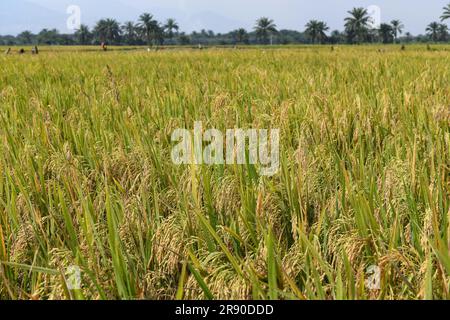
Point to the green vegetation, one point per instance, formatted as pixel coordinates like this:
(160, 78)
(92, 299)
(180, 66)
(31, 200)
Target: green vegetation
(360, 27)
(86, 176)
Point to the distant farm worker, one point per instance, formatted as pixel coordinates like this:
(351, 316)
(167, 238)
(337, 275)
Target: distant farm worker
(35, 50)
(8, 51)
(104, 46)
(22, 51)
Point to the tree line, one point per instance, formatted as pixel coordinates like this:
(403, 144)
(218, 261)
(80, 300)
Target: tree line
(149, 31)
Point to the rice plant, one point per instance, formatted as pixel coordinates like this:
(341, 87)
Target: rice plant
(86, 178)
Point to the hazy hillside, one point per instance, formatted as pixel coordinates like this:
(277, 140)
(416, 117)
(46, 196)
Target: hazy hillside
(27, 15)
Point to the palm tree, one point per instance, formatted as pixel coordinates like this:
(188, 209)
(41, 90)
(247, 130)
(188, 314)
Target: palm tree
(397, 28)
(446, 14)
(265, 27)
(241, 35)
(171, 26)
(443, 32)
(433, 31)
(316, 30)
(83, 34)
(386, 32)
(129, 31)
(149, 28)
(357, 24)
(107, 30)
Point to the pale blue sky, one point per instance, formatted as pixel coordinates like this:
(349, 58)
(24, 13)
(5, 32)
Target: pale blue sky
(218, 15)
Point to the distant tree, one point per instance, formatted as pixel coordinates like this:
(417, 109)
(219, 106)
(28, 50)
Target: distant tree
(240, 35)
(8, 40)
(443, 32)
(83, 35)
(149, 28)
(386, 33)
(433, 31)
(100, 30)
(204, 33)
(372, 35)
(446, 14)
(66, 40)
(171, 27)
(291, 36)
(48, 37)
(337, 37)
(397, 28)
(316, 30)
(408, 37)
(357, 25)
(26, 37)
(264, 28)
(108, 30)
(129, 32)
(184, 39)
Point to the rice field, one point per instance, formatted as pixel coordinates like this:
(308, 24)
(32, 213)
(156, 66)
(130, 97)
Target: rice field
(363, 190)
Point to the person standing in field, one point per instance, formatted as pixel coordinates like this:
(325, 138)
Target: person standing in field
(35, 50)
(104, 46)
